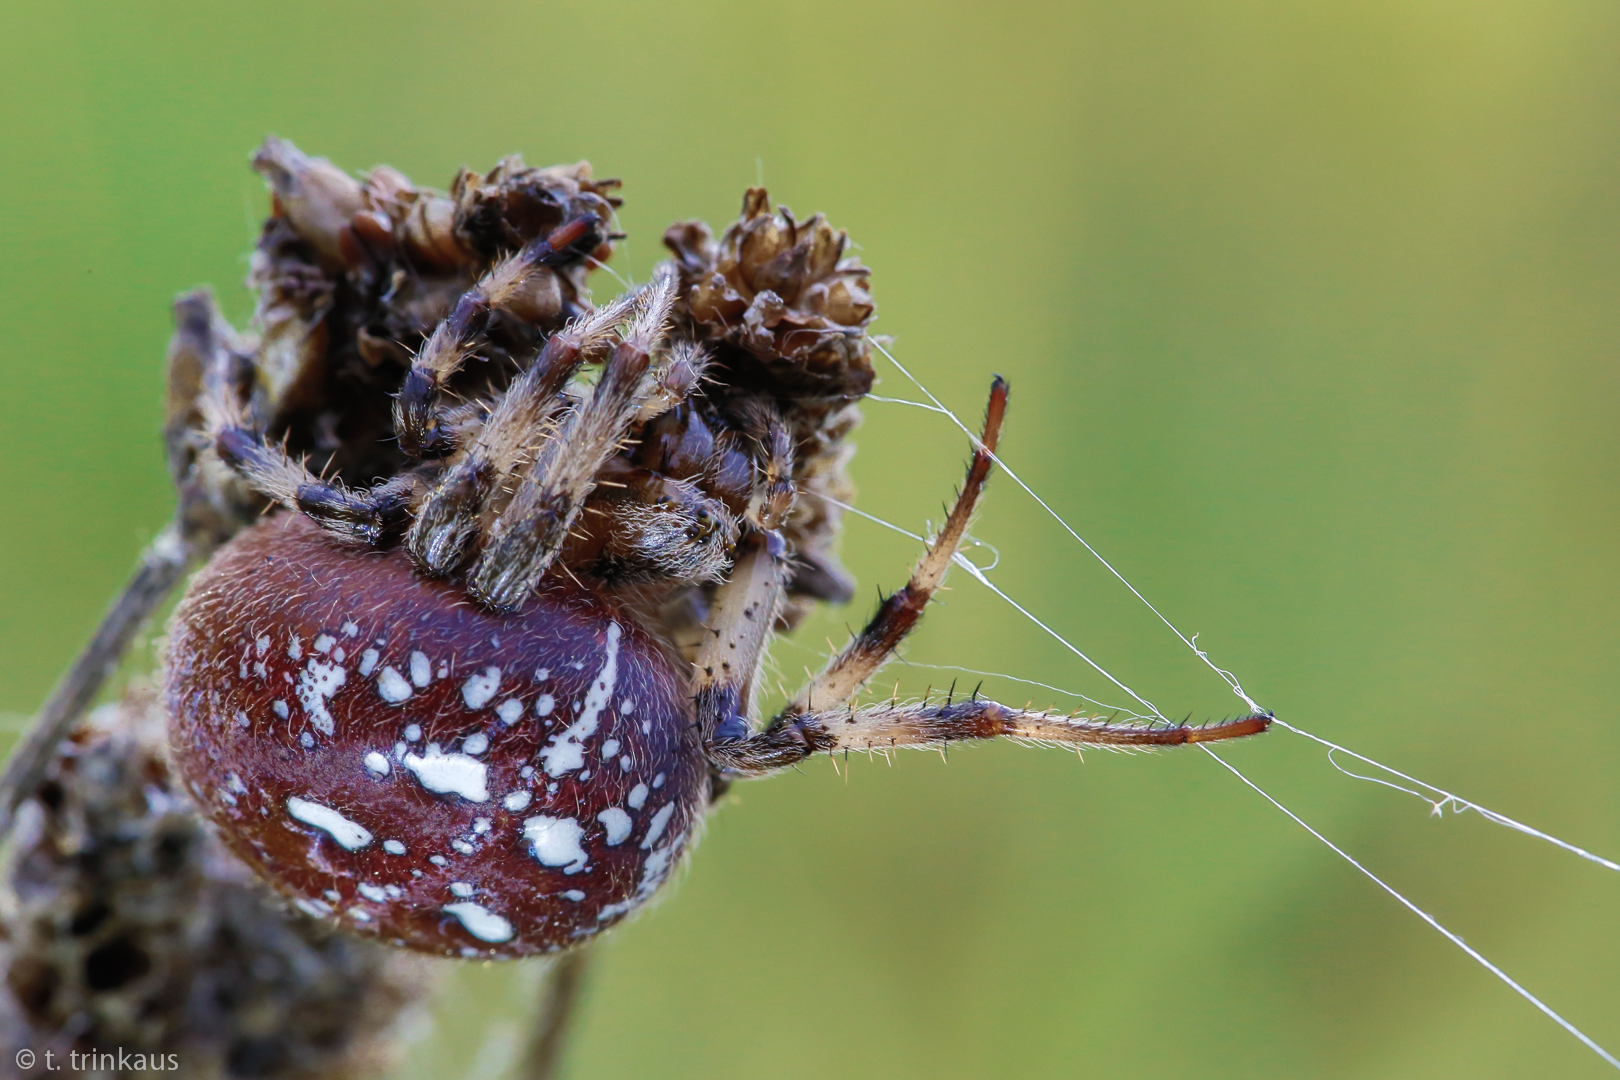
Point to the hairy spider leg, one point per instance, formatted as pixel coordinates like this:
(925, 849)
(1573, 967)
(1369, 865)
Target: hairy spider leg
(744, 608)
(773, 497)
(924, 726)
(527, 536)
(448, 519)
(675, 381)
(820, 719)
(739, 624)
(869, 650)
(417, 421)
(368, 515)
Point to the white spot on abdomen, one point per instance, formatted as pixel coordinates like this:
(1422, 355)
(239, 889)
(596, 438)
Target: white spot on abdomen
(368, 663)
(378, 764)
(421, 668)
(353, 837)
(319, 681)
(516, 801)
(638, 797)
(392, 686)
(656, 829)
(479, 690)
(320, 909)
(480, 922)
(617, 823)
(556, 842)
(456, 774)
(565, 752)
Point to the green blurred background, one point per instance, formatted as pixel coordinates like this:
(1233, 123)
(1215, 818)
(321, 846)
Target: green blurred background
(1310, 315)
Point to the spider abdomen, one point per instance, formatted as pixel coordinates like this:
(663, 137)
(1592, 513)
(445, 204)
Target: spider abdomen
(389, 754)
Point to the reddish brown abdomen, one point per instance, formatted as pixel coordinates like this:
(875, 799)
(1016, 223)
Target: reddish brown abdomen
(392, 756)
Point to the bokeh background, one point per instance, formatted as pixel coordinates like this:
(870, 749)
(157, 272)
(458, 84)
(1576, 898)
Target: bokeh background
(1310, 312)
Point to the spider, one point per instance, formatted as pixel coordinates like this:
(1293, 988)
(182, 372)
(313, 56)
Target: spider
(494, 569)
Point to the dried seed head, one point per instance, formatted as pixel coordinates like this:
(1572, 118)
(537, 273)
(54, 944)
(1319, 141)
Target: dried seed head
(316, 195)
(783, 291)
(128, 926)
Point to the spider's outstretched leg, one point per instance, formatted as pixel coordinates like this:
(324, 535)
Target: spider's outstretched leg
(744, 608)
(869, 650)
(879, 728)
(531, 531)
(448, 518)
(417, 421)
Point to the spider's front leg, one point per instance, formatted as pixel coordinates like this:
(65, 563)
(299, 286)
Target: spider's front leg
(447, 521)
(416, 410)
(744, 609)
(368, 515)
(820, 718)
(530, 532)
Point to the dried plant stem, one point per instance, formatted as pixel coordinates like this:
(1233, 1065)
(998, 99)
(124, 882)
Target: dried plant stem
(162, 565)
(559, 997)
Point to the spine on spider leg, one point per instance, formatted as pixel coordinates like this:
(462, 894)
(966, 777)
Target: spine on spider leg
(416, 419)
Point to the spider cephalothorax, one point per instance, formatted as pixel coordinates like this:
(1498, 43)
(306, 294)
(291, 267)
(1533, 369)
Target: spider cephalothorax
(479, 696)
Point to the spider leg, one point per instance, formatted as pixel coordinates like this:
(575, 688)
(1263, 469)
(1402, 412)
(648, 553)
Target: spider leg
(447, 520)
(528, 535)
(416, 409)
(793, 737)
(847, 672)
(740, 618)
(675, 382)
(774, 493)
(744, 610)
(367, 515)
(649, 527)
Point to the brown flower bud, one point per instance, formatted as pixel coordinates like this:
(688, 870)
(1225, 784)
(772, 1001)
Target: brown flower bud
(430, 232)
(316, 195)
